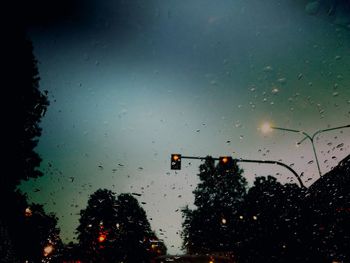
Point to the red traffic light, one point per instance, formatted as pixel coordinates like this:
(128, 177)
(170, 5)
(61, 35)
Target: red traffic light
(175, 162)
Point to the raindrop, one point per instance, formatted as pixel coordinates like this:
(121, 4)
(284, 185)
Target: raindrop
(310, 162)
(274, 90)
(335, 94)
(267, 69)
(340, 145)
(340, 77)
(238, 124)
(282, 80)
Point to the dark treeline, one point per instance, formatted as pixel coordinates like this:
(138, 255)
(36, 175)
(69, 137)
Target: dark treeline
(25, 230)
(269, 222)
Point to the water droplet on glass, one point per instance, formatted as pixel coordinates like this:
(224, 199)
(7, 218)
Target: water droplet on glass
(274, 90)
(340, 145)
(267, 69)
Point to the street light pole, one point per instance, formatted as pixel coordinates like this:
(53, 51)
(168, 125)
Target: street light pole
(311, 138)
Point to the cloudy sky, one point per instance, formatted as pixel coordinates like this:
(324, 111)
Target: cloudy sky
(131, 82)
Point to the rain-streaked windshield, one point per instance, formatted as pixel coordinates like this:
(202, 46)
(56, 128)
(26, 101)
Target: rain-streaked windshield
(177, 131)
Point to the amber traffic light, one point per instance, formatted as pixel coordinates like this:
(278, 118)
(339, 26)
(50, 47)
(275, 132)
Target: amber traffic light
(175, 162)
(226, 162)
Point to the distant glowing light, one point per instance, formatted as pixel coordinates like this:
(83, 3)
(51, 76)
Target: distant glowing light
(223, 220)
(102, 238)
(255, 218)
(176, 157)
(154, 246)
(48, 250)
(241, 217)
(28, 212)
(266, 128)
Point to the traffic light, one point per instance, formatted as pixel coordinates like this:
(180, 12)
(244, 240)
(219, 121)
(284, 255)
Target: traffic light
(226, 162)
(175, 162)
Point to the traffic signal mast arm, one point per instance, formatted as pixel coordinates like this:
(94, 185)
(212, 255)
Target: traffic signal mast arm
(252, 161)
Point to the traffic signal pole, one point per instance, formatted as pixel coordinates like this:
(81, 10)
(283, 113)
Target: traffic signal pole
(254, 161)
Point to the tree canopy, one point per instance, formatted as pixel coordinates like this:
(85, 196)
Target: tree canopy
(26, 106)
(218, 198)
(116, 229)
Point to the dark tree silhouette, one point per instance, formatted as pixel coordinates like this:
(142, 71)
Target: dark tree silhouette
(98, 231)
(31, 105)
(326, 206)
(24, 107)
(135, 235)
(270, 223)
(115, 230)
(71, 252)
(218, 197)
(31, 230)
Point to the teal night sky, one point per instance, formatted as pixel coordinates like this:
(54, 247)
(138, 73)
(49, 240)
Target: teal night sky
(131, 82)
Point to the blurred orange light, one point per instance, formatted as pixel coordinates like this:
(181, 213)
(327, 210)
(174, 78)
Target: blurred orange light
(101, 238)
(48, 250)
(176, 157)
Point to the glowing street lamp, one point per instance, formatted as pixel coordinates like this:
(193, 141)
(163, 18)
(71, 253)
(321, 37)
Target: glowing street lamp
(266, 128)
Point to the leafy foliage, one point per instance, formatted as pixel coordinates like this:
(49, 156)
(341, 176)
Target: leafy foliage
(218, 197)
(270, 220)
(115, 229)
(25, 106)
(28, 106)
(30, 229)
